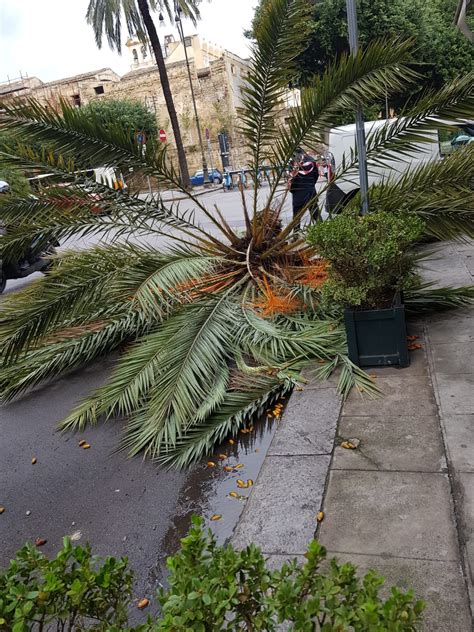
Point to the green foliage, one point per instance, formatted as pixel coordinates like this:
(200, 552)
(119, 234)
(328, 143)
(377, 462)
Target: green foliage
(130, 114)
(368, 255)
(19, 185)
(16, 179)
(67, 591)
(210, 588)
(442, 52)
(218, 588)
(107, 16)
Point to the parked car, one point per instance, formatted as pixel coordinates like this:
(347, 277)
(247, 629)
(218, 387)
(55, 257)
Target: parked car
(214, 176)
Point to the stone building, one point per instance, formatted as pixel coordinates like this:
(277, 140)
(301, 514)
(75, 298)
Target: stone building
(218, 77)
(77, 90)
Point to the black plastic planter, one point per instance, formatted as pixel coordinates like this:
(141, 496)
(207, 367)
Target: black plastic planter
(378, 337)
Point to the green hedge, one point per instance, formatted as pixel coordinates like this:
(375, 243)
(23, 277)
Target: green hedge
(211, 588)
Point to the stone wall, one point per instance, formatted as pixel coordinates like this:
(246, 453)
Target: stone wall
(214, 101)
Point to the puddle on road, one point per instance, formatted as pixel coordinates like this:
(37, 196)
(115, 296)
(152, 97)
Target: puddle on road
(206, 491)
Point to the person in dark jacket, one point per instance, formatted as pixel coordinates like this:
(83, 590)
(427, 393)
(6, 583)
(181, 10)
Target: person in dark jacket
(303, 179)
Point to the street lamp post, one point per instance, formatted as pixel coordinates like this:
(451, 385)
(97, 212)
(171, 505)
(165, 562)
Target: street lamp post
(360, 129)
(179, 25)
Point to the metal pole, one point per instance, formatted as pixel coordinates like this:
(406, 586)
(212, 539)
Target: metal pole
(181, 34)
(360, 130)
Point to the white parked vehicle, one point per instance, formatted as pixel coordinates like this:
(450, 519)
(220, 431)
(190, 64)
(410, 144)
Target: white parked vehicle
(342, 141)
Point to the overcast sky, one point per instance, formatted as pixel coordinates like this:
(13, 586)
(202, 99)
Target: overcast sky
(50, 39)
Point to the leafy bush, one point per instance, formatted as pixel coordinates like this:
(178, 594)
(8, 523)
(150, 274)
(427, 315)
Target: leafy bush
(68, 592)
(369, 256)
(131, 114)
(218, 588)
(211, 588)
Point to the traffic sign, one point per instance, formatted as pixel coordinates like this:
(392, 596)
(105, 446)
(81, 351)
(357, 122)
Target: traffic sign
(162, 135)
(140, 138)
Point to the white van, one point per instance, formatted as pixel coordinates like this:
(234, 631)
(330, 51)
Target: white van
(342, 142)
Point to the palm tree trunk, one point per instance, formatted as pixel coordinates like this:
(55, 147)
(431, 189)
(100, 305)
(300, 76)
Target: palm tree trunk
(165, 84)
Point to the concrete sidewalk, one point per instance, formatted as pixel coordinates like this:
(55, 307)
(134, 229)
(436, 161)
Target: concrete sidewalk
(403, 502)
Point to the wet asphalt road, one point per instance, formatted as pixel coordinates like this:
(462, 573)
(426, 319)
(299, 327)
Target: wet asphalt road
(121, 506)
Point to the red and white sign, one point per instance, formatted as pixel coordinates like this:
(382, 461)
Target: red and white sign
(162, 135)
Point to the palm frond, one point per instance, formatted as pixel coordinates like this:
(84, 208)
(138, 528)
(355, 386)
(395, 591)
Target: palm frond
(105, 16)
(68, 349)
(351, 80)
(167, 378)
(79, 139)
(276, 344)
(59, 214)
(279, 40)
(399, 139)
(426, 297)
(76, 290)
(440, 192)
(239, 407)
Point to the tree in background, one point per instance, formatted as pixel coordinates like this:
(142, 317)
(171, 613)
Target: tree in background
(132, 114)
(441, 53)
(15, 177)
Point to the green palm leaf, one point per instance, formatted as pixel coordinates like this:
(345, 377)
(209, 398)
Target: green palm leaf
(239, 407)
(280, 39)
(440, 192)
(68, 349)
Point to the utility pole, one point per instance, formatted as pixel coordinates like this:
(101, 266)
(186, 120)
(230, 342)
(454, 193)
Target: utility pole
(179, 25)
(360, 129)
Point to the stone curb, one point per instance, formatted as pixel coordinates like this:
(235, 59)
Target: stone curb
(456, 486)
(280, 515)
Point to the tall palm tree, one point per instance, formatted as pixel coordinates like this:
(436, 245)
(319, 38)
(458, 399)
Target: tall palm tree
(214, 327)
(105, 16)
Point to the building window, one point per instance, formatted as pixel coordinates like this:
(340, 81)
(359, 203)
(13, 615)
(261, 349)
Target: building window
(135, 56)
(144, 53)
(188, 42)
(99, 89)
(76, 100)
(232, 69)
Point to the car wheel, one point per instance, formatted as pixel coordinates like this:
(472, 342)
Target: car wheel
(217, 180)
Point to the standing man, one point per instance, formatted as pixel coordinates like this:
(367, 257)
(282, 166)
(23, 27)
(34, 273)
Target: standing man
(302, 184)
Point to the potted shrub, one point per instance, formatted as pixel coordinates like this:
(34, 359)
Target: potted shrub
(370, 262)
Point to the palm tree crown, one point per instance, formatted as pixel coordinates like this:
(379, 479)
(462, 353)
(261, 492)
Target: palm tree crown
(217, 325)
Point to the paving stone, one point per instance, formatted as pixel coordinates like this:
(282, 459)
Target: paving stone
(309, 423)
(469, 261)
(456, 393)
(464, 247)
(400, 397)
(418, 365)
(453, 357)
(399, 443)
(455, 277)
(467, 484)
(311, 382)
(440, 584)
(280, 516)
(455, 326)
(405, 514)
(459, 433)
